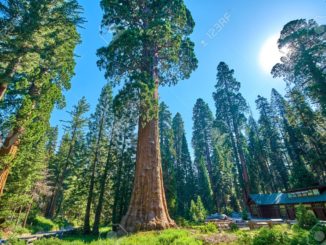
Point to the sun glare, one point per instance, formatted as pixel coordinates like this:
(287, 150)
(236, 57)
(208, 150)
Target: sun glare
(270, 54)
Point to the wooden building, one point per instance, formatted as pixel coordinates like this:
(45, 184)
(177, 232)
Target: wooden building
(282, 205)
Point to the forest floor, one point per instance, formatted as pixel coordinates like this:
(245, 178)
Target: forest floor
(196, 235)
(180, 236)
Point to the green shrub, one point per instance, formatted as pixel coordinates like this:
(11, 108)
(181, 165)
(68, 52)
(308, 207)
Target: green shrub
(245, 215)
(300, 237)
(244, 238)
(306, 218)
(62, 222)
(20, 230)
(182, 222)
(317, 234)
(169, 236)
(55, 241)
(41, 224)
(197, 210)
(187, 241)
(233, 227)
(166, 237)
(50, 241)
(15, 241)
(227, 210)
(104, 230)
(275, 236)
(208, 228)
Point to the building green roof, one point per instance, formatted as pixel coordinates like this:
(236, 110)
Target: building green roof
(283, 198)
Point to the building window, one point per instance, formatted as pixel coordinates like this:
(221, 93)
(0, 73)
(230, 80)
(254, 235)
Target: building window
(283, 212)
(309, 193)
(316, 192)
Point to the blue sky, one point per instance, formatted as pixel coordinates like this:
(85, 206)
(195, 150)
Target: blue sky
(232, 31)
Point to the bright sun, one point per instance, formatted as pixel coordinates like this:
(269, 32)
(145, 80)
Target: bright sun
(269, 54)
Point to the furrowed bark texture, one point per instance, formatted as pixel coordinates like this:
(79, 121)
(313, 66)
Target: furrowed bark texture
(8, 150)
(148, 208)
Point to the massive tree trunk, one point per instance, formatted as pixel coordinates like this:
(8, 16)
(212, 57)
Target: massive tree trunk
(148, 208)
(8, 152)
(3, 178)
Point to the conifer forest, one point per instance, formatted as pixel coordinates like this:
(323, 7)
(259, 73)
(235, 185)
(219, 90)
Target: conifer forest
(162, 122)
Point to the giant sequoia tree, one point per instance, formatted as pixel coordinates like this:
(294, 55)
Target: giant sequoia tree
(150, 47)
(305, 61)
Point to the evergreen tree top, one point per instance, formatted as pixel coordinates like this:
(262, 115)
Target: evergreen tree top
(148, 34)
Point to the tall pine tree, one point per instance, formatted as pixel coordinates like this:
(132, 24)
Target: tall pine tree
(74, 135)
(168, 157)
(230, 118)
(273, 144)
(99, 127)
(184, 170)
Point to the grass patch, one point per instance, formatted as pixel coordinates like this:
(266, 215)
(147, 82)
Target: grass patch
(205, 228)
(278, 235)
(42, 224)
(166, 237)
(171, 236)
(105, 230)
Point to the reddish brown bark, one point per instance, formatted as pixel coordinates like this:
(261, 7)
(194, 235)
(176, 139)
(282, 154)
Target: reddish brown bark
(3, 89)
(9, 149)
(3, 178)
(148, 208)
